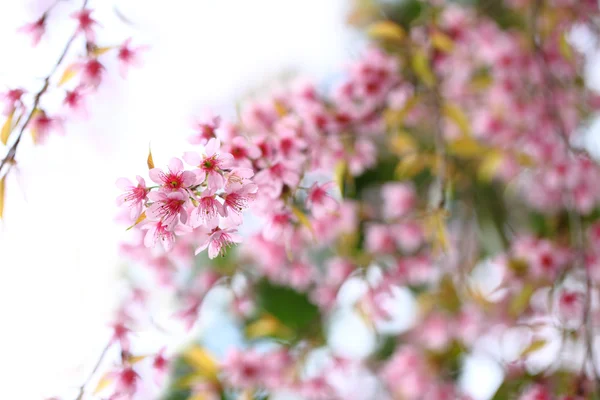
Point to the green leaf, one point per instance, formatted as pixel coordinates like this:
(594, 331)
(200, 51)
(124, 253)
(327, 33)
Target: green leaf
(293, 309)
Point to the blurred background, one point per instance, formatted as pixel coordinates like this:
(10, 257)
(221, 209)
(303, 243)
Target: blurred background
(59, 263)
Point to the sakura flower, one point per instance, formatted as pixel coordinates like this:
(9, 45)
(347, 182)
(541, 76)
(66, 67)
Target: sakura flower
(134, 196)
(74, 100)
(217, 240)
(235, 200)
(237, 177)
(207, 212)
(319, 201)
(205, 130)
(92, 72)
(35, 29)
(129, 56)
(126, 382)
(167, 207)
(158, 231)
(175, 179)
(243, 369)
(211, 164)
(273, 178)
(398, 199)
(86, 24)
(41, 125)
(121, 334)
(12, 100)
(243, 151)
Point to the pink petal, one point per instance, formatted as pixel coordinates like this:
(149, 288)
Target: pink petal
(124, 184)
(155, 175)
(175, 165)
(192, 158)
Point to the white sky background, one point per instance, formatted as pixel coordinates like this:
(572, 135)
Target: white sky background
(58, 243)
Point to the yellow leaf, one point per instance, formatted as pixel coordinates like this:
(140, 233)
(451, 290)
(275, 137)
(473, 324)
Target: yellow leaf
(98, 51)
(420, 64)
(481, 81)
(2, 193)
(202, 361)
(520, 302)
(489, 166)
(280, 108)
(534, 346)
(137, 221)
(302, 218)
(7, 128)
(68, 74)
(456, 115)
(103, 383)
(386, 30)
(340, 176)
(246, 395)
(442, 42)
(525, 160)
(565, 48)
(267, 325)
(467, 148)
(410, 165)
(150, 160)
(136, 359)
(402, 143)
(436, 226)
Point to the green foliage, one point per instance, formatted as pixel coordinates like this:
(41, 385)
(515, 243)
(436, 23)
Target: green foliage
(293, 309)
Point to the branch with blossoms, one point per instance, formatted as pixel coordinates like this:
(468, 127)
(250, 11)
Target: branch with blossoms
(447, 106)
(21, 116)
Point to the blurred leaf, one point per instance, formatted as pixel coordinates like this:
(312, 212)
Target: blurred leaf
(435, 224)
(7, 128)
(402, 143)
(136, 359)
(2, 194)
(466, 147)
(293, 309)
(386, 30)
(448, 296)
(410, 165)
(203, 363)
(442, 42)
(150, 160)
(456, 115)
(386, 347)
(267, 326)
(342, 178)
(565, 48)
(105, 381)
(534, 346)
(518, 266)
(303, 219)
(98, 51)
(406, 12)
(421, 67)
(520, 302)
(489, 166)
(68, 74)
(137, 221)
(380, 173)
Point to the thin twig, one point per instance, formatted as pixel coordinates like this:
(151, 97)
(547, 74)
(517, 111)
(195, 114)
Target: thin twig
(9, 159)
(94, 370)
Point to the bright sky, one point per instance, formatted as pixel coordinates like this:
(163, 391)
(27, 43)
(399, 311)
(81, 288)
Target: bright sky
(58, 242)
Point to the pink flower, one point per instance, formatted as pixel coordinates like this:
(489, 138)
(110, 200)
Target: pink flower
(157, 231)
(243, 151)
(208, 211)
(121, 335)
(36, 29)
(211, 164)
(235, 200)
(91, 72)
(217, 240)
(86, 24)
(380, 239)
(205, 130)
(12, 100)
(273, 178)
(41, 125)
(129, 56)
(135, 195)
(74, 100)
(168, 207)
(243, 369)
(319, 201)
(398, 199)
(175, 179)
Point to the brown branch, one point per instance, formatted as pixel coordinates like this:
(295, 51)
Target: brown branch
(94, 370)
(9, 159)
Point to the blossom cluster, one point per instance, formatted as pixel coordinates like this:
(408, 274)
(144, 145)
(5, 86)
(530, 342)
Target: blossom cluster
(441, 168)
